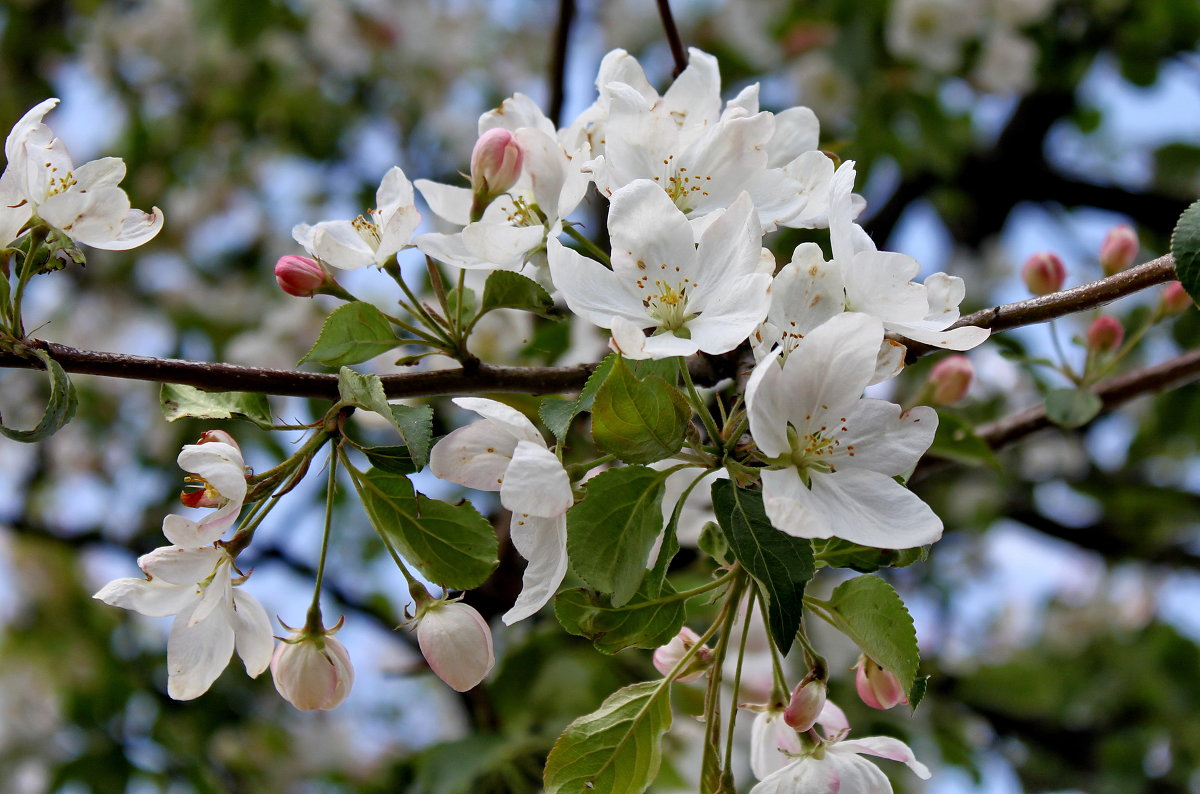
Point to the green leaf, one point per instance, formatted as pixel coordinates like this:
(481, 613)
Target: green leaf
(868, 611)
(557, 413)
(60, 407)
(1072, 407)
(353, 333)
(638, 624)
(639, 421)
(178, 401)
(505, 289)
(781, 564)
(838, 553)
(413, 422)
(956, 440)
(395, 460)
(615, 748)
(610, 532)
(415, 425)
(469, 303)
(713, 543)
(451, 545)
(1185, 248)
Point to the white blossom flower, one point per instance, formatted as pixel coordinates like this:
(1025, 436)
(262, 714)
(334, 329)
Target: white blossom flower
(372, 238)
(504, 452)
(212, 618)
(833, 453)
(786, 765)
(40, 180)
(708, 297)
(220, 478)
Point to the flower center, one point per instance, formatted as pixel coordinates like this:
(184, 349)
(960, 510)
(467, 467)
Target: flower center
(815, 450)
(685, 189)
(524, 213)
(667, 304)
(368, 229)
(60, 184)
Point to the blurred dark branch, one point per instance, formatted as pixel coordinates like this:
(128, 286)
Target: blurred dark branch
(528, 380)
(1107, 540)
(558, 60)
(677, 51)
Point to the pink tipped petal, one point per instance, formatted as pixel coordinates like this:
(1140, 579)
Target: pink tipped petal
(887, 747)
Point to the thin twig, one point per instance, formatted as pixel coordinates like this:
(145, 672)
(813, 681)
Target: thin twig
(677, 51)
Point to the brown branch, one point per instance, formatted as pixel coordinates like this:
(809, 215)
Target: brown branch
(529, 380)
(677, 52)
(1058, 304)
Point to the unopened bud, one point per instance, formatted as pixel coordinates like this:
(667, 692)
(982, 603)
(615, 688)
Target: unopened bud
(1119, 249)
(1175, 299)
(200, 493)
(300, 276)
(878, 688)
(456, 642)
(949, 380)
(220, 436)
(1043, 273)
(1105, 334)
(808, 698)
(312, 670)
(495, 163)
(668, 656)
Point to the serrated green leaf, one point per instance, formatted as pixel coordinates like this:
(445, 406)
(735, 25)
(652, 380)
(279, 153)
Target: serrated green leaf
(870, 612)
(556, 414)
(178, 401)
(838, 553)
(610, 532)
(505, 289)
(780, 564)
(415, 425)
(615, 748)
(60, 406)
(1072, 407)
(1185, 248)
(394, 460)
(363, 391)
(956, 440)
(638, 624)
(917, 693)
(353, 333)
(639, 421)
(451, 545)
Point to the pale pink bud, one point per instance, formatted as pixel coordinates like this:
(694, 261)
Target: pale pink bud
(1119, 249)
(1175, 299)
(312, 671)
(669, 655)
(219, 436)
(950, 378)
(878, 688)
(495, 162)
(808, 698)
(456, 642)
(1105, 334)
(1043, 273)
(300, 276)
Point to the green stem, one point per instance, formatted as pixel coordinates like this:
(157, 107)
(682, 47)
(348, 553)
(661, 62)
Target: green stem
(712, 697)
(414, 306)
(588, 245)
(737, 680)
(356, 477)
(314, 624)
(698, 404)
(682, 595)
(1064, 366)
(578, 469)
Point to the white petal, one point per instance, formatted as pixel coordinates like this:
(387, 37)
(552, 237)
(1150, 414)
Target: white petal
(855, 775)
(729, 248)
(796, 131)
(105, 172)
(251, 632)
(500, 244)
(770, 740)
(220, 464)
(728, 318)
(629, 339)
(768, 405)
(184, 532)
(790, 506)
(591, 290)
(339, 244)
(514, 422)
(830, 367)
(542, 541)
(535, 482)
(476, 456)
(152, 597)
(447, 201)
(650, 236)
(804, 776)
(871, 509)
(395, 192)
(197, 653)
(179, 565)
(137, 228)
(884, 438)
(451, 249)
(887, 747)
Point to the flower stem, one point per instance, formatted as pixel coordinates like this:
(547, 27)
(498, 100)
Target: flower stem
(737, 680)
(698, 404)
(314, 624)
(587, 245)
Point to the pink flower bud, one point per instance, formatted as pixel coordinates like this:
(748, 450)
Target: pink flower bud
(877, 687)
(312, 671)
(669, 655)
(1105, 334)
(1043, 273)
(808, 698)
(456, 642)
(300, 276)
(949, 379)
(219, 436)
(1119, 249)
(495, 163)
(1175, 299)
(200, 493)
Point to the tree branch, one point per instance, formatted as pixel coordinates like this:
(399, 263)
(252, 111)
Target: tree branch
(677, 52)
(558, 61)
(528, 380)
